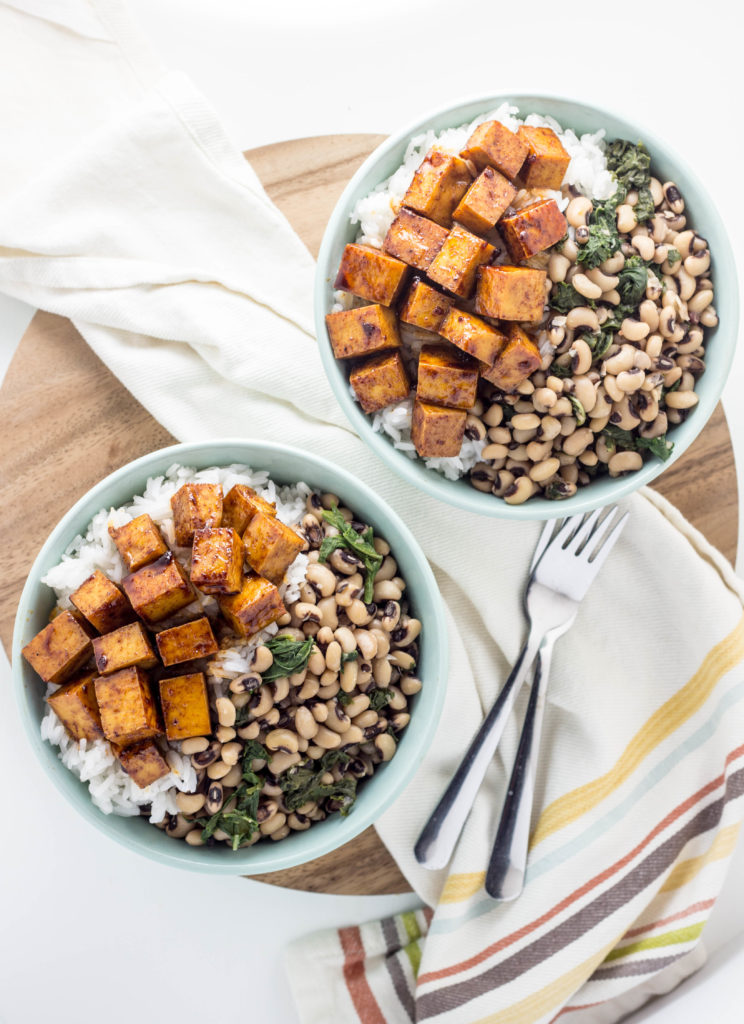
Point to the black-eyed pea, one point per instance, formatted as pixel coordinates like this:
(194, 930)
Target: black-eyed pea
(273, 823)
(218, 770)
(502, 482)
(333, 656)
(381, 672)
(327, 738)
(410, 685)
(570, 473)
(231, 752)
(700, 300)
(494, 415)
(588, 458)
(550, 427)
(226, 711)
(280, 689)
(568, 425)
(385, 746)
(634, 330)
(383, 639)
(522, 489)
(544, 399)
(233, 777)
(687, 284)
(625, 218)
(298, 822)
(270, 719)
(612, 388)
(360, 613)
(262, 660)
(405, 661)
(538, 451)
(644, 246)
(190, 803)
(623, 415)
(177, 826)
(492, 452)
(240, 700)
(586, 392)
(630, 380)
(584, 286)
(330, 689)
(349, 675)
(305, 724)
(400, 721)
(673, 197)
(543, 471)
(352, 736)
(282, 739)
(327, 614)
(558, 267)
(525, 421)
(338, 720)
(357, 705)
(607, 282)
(387, 570)
(669, 327)
(561, 408)
(524, 436)
(309, 688)
(709, 317)
(621, 360)
(194, 838)
(603, 451)
(323, 578)
(554, 383)
(367, 644)
(581, 357)
(346, 639)
(194, 745)
(681, 399)
(386, 590)
(577, 442)
(624, 462)
(365, 719)
(280, 833)
(389, 615)
(654, 345)
(250, 731)
(316, 662)
(282, 760)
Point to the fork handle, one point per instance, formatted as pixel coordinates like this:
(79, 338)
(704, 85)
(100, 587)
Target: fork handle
(440, 834)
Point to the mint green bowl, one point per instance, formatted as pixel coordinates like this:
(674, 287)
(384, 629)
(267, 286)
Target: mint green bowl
(702, 215)
(285, 465)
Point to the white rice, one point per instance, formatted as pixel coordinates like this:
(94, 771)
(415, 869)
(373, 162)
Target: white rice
(111, 789)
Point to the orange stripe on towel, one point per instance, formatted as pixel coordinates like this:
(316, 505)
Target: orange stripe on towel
(355, 977)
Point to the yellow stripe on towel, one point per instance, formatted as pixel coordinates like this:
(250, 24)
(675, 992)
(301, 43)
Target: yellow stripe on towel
(684, 872)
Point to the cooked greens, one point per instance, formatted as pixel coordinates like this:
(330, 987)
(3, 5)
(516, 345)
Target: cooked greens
(302, 784)
(238, 817)
(290, 656)
(616, 437)
(360, 544)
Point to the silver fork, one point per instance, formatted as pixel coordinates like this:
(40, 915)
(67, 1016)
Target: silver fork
(564, 567)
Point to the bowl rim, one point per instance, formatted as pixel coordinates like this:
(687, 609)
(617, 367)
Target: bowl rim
(458, 493)
(266, 858)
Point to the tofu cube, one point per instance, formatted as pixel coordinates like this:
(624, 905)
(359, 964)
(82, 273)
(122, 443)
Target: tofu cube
(270, 546)
(195, 506)
(380, 381)
(241, 504)
(532, 229)
(59, 649)
(456, 264)
(128, 645)
(185, 704)
(138, 542)
(446, 377)
(437, 432)
(547, 161)
(491, 144)
(257, 604)
(102, 603)
(187, 642)
(76, 706)
(217, 560)
(424, 306)
(128, 712)
(438, 186)
(371, 274)
(159, 589)
(472, 335)
(485, 201)
(415, 240)
(143, 762)
(511, 293)
(362, 331)
(517, 360)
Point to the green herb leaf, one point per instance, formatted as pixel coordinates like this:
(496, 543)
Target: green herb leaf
(644, 208)
(380, 698)
(600, 343)
(632, 281)
(290, 656)
(564, 297)
(578, 410)
(617, 437)
(558, 490)
(659, 446)
(348, 656)
(253, 751)
(301, 783)
(604, 240)
(673, 256)
(344, 698)
(361, 544)
(630, 164)
(559, 370)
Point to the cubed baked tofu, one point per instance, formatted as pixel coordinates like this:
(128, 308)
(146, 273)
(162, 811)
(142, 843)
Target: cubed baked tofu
(185, 705)
(415, 240)
(532, 229)
(380, 381)
(258, 603)
(139, 542)
(270, 546)
(362, 331)
(102, 603)
(424, 306)
(195, 506)
(128, 712)
(128, 645)
(159, 589)
(485, 201)
(438, 185)
(491, 144)
(187, 642)
(511, 293)
(437, 432)
(456, 264)
(59, 649)
(240, 506)
(446, 377)
(217, 560)
(472, 335)
(143, 762)
(76, 706)
(517, 360)
(547, 161)
(371, 274)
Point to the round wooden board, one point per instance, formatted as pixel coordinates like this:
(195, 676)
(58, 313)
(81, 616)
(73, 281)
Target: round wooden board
(66, 429)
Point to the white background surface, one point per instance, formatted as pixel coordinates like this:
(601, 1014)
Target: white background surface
(88, 931)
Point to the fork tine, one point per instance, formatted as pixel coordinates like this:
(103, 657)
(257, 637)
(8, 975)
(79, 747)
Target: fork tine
(583, 534)
(607, 542)
(551, 526)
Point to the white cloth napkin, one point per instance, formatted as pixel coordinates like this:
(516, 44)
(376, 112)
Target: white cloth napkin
(149, 230)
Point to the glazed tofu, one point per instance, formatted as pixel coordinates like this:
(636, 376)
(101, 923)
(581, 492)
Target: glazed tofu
(257, 604)
(102, 603)
(240, 506)
(517, 360)
(456, 264)
(195, 506)
(446, 377)
(217, 560)
(547, 161)
(270, 546)
(438, 186)
(128, 645)
(424, 306)
(59, 649)
(485, 201)
(472, 335)
(437, 432)
(187, 642)
(128, 712)
(415, 240)
(532, 229)
(491, 144)
(371, 274)
(76, 707)
(185, 704)
(143, 762)
(138, 542)
(159, 589)
(380, 381)
(511, 293)
(362, 331)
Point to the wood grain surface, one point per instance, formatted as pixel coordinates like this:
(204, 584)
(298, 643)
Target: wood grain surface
(66, 422)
